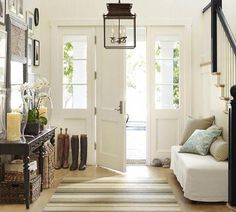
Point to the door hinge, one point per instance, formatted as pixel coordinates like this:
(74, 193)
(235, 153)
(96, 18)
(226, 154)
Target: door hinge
(95, 75)
(95, 40)
(95, 145)
(95, 111)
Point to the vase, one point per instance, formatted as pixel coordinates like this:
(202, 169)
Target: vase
(32, 128)
(46, 107)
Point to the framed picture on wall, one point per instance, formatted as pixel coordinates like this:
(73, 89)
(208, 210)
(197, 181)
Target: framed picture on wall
(12, 6)
(3, 42)
(2, 11)
(30, 22)
(30, 52)
(36, 53)
(20, 8)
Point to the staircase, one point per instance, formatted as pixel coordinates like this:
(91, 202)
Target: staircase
(223, 52)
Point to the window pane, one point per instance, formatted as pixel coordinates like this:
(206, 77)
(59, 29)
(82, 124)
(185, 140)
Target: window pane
(167, 70)
(75, 96)
(2, 72)
(77, 46)
(16, 73)
(15, 97)
(75, 72)
(167, 96)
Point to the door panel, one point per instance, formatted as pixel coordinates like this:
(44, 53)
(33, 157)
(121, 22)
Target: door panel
(167, 104)
(110, 122)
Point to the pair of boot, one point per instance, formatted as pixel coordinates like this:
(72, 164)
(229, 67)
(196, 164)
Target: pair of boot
(63, 146)
(75, 152)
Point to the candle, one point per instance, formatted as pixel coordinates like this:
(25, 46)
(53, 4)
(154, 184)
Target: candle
(13, 126)
(112, 33)
(43, 111)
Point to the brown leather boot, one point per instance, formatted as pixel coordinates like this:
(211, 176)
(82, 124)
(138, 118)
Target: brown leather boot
(60, 145)
(66, 150)
(75, 152)
(83, 152)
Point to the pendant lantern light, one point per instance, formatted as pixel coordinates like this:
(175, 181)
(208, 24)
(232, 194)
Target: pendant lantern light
(119, 26)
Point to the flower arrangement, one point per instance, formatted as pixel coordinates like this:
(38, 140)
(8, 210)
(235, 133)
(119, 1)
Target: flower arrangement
(34, 95)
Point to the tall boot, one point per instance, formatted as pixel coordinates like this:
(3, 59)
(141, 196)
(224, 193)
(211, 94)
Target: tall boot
(60, 145)
(66, 150)
(83, 152)
(75, 152)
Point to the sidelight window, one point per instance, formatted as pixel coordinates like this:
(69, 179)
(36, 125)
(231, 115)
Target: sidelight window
(167, 72)
(75, 72)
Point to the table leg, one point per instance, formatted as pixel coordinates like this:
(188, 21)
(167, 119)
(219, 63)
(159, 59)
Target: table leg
(41, 159)
(26, 160)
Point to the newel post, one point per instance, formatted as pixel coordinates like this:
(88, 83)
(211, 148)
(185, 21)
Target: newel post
(232, 149)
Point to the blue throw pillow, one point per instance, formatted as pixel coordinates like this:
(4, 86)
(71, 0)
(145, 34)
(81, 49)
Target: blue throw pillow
(200, 141)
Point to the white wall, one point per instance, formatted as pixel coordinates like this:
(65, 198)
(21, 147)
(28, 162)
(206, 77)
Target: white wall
(153, 10)
(210, 94)
(147, 11)
(29, 5)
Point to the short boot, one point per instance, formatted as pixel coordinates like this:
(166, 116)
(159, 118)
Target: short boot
(66, 151)
(75, 152)
(83, 152)
(60, 145)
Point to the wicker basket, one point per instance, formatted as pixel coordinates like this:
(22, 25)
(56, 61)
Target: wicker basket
(13, 192)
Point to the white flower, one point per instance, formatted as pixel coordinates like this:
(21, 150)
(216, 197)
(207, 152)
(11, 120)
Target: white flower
(45, 82)
(28, 97)
(43, 95)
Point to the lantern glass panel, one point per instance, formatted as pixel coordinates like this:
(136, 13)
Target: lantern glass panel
(119, 33)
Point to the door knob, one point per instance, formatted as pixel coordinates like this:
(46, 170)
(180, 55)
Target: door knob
(120, 109)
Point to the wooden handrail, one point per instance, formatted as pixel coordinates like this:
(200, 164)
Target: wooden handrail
(227, 29)
(206, 7)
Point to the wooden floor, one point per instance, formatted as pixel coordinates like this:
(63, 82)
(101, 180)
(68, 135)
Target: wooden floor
(132, 171)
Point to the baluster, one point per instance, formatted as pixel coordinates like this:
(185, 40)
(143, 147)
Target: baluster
(225, 67)
(232, 66)
(234, 71)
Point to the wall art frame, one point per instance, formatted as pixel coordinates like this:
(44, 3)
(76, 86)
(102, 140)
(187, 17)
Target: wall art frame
(36, 53)
(2, 11)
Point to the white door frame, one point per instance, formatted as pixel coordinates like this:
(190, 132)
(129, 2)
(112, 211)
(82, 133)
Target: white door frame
(186, 23)
(76, 115)
(186, 75)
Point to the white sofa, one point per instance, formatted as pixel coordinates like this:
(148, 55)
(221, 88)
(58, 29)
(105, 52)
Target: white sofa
(201, 177)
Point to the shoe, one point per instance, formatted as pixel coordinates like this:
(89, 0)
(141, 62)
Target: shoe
(75, 152)
(66, 150)
(60, 145)
(83, 152)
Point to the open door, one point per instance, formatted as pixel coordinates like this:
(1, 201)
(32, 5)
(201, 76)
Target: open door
(110, 101)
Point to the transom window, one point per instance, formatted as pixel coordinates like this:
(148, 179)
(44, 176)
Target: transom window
(75, 72)
(167, 72)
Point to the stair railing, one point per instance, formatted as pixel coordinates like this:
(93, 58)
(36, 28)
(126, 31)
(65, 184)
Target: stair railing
(223, 49)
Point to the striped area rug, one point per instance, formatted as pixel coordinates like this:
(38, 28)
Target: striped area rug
(116, 194)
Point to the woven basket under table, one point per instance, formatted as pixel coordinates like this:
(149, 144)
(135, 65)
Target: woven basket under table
(13, 192)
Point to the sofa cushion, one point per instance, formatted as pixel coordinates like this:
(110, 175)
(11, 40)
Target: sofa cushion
(200, 142)
(214, 127)
(193, 124)
(219, 149)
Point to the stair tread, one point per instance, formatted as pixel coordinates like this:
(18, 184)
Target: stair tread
(220, 85)
(216, 73)
(224, 98)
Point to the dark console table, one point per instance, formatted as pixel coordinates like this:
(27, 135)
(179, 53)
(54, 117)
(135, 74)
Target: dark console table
(25, 148)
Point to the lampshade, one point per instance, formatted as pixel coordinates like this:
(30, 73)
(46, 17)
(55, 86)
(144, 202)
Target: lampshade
(119, 26)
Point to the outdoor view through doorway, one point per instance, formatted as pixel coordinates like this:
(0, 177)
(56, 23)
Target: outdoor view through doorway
(136, 106)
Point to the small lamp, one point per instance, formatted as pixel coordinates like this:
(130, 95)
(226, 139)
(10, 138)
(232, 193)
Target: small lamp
(119, 26)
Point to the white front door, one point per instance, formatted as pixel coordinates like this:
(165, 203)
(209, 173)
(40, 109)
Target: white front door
(110, 101)
(168, 99)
